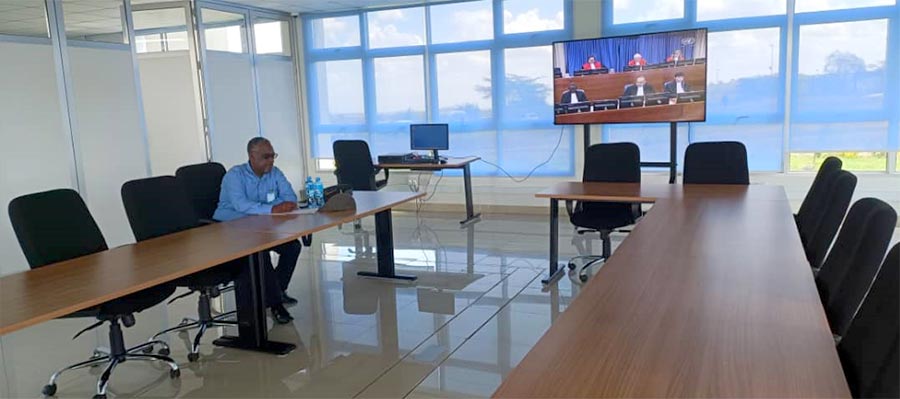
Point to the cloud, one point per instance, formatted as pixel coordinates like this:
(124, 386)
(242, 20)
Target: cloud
(388, 15)
(391, 36)
(473, 25)
(531, 21)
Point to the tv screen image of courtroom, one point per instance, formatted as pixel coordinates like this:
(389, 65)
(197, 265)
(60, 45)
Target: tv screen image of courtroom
(656, 77)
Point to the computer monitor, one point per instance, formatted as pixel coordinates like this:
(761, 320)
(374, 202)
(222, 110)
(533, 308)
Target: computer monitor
(429, 136)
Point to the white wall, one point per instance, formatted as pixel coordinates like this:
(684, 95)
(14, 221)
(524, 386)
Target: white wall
(36, 154)
(230, 100)
(109, 134)
(172, 111)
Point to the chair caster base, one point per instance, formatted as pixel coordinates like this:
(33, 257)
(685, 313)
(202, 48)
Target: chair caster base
(193, 357)
(583, 278)
(571, 266)
(148, 350)
(165, 351)
(49, 390)
(173, 374)
(98, 396)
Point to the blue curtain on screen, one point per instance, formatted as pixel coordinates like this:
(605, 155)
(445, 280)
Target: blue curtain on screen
(616, 52)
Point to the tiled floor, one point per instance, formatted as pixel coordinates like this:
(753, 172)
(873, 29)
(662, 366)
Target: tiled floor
(475, 311)
(468, 320)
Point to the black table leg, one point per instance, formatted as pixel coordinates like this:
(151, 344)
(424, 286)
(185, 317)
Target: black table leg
(555, 270)
(384, 244)
(471, 216)
(251, 313)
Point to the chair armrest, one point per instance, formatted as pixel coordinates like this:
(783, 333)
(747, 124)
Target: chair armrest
(570, 207)
(387, 173)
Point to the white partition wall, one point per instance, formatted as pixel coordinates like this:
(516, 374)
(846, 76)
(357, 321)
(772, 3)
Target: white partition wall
(36, 154)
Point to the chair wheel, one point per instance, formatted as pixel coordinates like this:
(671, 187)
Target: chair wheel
(148, 350)
(98, 396)
(165, 351)
(583, 278)
(174, 373)
(193, 357)
(571, 266)
(49, 390)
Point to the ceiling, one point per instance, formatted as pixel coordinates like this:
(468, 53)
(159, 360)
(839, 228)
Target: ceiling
(318, 6)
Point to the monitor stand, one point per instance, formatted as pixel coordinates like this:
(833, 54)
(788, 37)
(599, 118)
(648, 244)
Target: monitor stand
(436, 157)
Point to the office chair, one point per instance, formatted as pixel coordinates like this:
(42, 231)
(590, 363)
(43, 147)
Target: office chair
(869, 351)
(158, 206)
(56, 225)
(610, 163)
(816, 192)
(722, 162)
(853, 261)
(824, 217)
(353, 166)
(203, 183)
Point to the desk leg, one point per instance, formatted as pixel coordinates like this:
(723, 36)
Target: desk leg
(384, 244)
(251, 313)
(471, 217)
(555, 271)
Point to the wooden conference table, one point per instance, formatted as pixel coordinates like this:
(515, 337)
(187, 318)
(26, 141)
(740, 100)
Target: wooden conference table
(34, 296)
(709, 296)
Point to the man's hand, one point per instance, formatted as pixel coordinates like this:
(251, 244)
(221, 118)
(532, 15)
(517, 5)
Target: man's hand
(284, 207)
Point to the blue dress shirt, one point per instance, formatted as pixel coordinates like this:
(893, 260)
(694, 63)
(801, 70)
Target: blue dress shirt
(244, 193)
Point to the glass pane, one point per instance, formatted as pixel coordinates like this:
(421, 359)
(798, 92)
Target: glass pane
(523, 150)
(223, 31)
(837, 73)
(340, 92)
(171, 20)
(764, 142)
(400, 89)
(743, 73)
(272, 36)
(528, 88)
(846, 136)
(335, 32)
(824, 5)
(628, 11)
(397, 27)
(853, 161)
(23, 18)
(722, 9)
(464, 86)
(532, 15)
(462, 22)
(95, 21)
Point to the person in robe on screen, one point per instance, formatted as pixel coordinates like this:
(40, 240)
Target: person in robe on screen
(637, 60)
(591, 64)
(573, 95)
(676, 56)
(677, 85)
(639, 88)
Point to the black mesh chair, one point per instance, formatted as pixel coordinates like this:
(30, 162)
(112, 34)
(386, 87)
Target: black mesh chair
(817, 192)
(609, 163)
(158, 206)
(56, 225)
(853, 261)
(353, 166)
(203, 184)
(723, 162)
(870, 351)
(825, 217)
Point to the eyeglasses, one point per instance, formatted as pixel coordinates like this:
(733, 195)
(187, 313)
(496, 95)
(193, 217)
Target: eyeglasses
(269, 156)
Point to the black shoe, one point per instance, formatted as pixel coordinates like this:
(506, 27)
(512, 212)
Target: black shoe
(287, 300)
(281, 315)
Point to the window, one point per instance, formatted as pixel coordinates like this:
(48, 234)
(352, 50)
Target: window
(23, 18)
(340, 90)
(462, 22)
(171, 21)
(853, 161)
(824, 5)
(723, 9)
(397, 27)
(223, 31)
(493, 89)
(464, 87)
(521, 16)
(400, 89)
(271, 36)
(628, 11)
(95, 21)
(335, 32)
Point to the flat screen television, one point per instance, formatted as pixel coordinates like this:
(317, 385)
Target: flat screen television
(653, 77)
